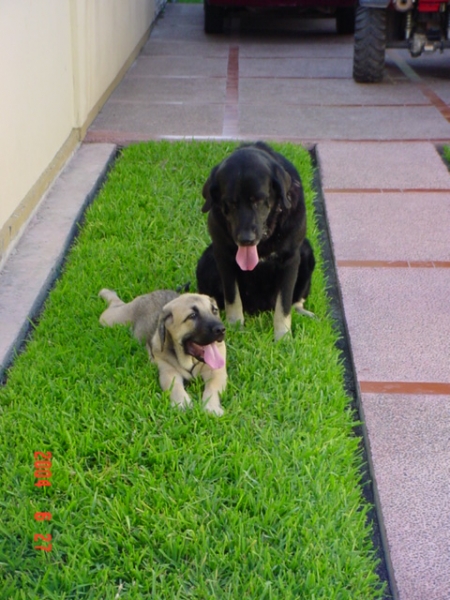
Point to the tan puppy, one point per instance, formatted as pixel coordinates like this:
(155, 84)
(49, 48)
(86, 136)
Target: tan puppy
(184, 337)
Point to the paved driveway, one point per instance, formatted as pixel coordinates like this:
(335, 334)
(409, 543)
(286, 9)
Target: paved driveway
(277, 79)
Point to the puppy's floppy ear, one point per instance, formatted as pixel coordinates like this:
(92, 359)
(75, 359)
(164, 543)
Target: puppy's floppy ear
(281, 181)
(165, 317)
(210, 190)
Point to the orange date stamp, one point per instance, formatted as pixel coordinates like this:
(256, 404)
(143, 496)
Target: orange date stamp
(43, 474)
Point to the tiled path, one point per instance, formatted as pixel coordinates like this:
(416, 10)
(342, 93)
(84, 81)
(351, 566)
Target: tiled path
(387, 197)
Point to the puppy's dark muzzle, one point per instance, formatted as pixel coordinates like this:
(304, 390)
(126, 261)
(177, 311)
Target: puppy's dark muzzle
(209, 331)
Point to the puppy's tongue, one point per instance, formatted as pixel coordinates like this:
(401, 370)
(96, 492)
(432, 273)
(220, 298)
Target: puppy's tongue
(247, 257)
(212, 356)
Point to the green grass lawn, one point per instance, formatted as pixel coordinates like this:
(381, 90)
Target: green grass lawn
(148, 501)
(447, 154)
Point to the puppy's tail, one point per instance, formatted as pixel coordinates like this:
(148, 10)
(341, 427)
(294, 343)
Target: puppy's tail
(110, 296)
(112, 314)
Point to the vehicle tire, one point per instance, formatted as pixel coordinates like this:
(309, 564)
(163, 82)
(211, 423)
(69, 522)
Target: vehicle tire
(345, 20)
(370, 45)
(214, 17)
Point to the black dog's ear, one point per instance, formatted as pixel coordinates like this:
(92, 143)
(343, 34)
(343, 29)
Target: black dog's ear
(163, 319)
(210, 190)
(281, 181)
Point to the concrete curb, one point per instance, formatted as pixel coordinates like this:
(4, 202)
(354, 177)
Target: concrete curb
(34, 265)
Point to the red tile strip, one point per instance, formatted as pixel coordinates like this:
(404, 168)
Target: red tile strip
(402, 264)
(230, 126)
(435, 100)
(405, 387)
(355, 191)
(387, 190)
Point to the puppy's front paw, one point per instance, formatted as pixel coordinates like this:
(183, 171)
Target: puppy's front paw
(213, 406)
(216, 410)
(182, 403)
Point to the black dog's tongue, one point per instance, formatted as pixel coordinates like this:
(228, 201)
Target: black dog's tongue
(247, 257)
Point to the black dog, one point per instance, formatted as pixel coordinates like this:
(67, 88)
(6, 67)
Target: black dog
(259, 258)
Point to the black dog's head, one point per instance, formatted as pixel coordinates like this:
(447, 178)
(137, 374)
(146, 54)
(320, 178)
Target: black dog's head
(247, 188)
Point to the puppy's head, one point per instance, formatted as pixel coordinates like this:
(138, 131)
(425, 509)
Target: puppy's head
(246, 189)
(191, 326)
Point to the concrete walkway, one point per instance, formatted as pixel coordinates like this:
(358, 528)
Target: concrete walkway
(387, 198)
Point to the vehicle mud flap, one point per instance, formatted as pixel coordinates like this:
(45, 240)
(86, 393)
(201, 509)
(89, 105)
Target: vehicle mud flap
(214, 18)
(345, 20)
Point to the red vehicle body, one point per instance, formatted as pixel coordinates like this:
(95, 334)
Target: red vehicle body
(419, 25)
(343, 10)
(312, 4)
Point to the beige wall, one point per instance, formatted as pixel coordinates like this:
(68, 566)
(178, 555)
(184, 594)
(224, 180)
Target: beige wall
(104, 35)
(59, 60)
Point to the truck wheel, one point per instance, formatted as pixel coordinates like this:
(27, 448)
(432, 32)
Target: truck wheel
(214, 16)
(345, 20)
(370, 45)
